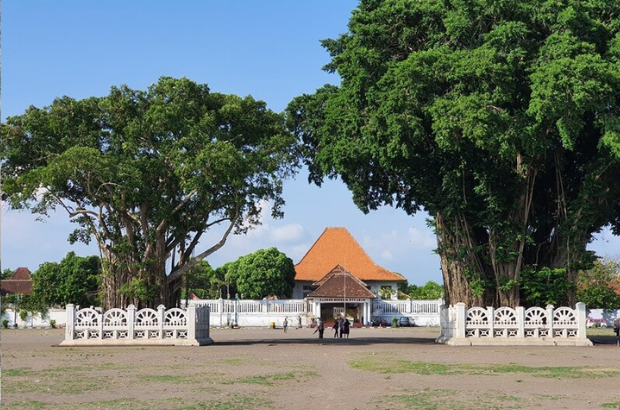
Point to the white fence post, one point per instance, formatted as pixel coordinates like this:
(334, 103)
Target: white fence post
(581, 319)
(521, 321)
(461, 320)
(550, 320)
(191, 321)
(131, 322)
(491, 317)
(70, 325)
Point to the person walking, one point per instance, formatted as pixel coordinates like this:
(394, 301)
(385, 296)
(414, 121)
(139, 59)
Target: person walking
(320, 328)
(336, 327)
(285, 323)
(342, 320)
(345, 328)
(616, 326)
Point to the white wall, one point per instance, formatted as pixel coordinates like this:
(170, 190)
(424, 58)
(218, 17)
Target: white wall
(59, 315)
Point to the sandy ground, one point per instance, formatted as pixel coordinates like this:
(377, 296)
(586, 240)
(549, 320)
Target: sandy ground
(266, 368)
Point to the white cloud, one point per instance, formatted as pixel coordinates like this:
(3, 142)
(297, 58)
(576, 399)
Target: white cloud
(288, 233)
(387, 255)
(422, 239)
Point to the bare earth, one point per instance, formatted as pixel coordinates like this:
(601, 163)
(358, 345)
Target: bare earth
(269, 369)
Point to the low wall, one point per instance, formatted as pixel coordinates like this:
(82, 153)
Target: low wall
(37, 320)
(185, 327)
(506, 326)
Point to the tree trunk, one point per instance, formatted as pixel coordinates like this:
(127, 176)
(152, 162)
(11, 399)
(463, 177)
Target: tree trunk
(461, 269)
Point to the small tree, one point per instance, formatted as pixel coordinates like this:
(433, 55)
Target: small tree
(74, 280)
(595, 287)
(262, 273)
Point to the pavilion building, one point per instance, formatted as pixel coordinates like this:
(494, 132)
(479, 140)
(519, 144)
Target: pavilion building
(337, 277)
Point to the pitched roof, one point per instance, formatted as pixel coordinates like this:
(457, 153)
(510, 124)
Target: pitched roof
(334, 247)
(339, 283)
(20, 283)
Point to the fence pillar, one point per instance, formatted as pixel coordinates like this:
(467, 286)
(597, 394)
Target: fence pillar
(100, 324)
(491, 318)
(550, 319)
(191, 321)
(580, 307)
(70, 326)
(161, 314)
(131, 322)
(520, 321)
(461, 320)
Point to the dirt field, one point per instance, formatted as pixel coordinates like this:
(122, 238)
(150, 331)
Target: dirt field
(269, 369)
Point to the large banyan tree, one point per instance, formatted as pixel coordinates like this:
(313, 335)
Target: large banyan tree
(501, 119)
(146, 174)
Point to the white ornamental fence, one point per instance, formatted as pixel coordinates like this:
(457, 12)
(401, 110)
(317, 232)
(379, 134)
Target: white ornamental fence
(519, 326)
(186, 327)
(261, 313)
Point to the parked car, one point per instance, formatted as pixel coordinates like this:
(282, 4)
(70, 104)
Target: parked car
(380, 321)
(404, 322)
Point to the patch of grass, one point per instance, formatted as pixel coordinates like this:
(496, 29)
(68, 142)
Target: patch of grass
(175, 403)
(382, 364)
(23, 405)
(16, 372)
(443, 399)
(272, 379)
(612, 405)
(169, 378)
(57, 381)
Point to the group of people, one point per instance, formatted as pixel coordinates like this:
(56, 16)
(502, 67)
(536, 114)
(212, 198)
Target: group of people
(341, 328)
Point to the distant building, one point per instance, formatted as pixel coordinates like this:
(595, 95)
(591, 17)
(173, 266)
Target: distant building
(338, 277)
(19, 284)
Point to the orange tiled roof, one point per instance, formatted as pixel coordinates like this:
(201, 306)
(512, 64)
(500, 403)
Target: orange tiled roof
(334, 247)
(339, 283)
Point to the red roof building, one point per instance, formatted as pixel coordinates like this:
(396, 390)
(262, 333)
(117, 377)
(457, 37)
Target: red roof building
(338, 277)
(19, 284)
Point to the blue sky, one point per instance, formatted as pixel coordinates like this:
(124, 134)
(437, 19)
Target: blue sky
(267, 49)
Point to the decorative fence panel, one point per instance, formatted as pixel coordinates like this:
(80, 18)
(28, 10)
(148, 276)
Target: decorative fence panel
(188, 327)
(484, 326)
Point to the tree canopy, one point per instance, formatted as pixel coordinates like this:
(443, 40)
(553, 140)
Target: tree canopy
(501, 119)
(599, 287)
(146, 173)
(262, 273)
(74, 280)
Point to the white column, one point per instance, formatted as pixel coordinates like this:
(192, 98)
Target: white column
(521, 321)
(131, 322)
(70, 325)
(191, 321)
(550, 319)
(461, 319)
(581, 319)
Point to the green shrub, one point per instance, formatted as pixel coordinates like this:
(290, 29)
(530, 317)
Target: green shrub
(5, 324)
(53, 324)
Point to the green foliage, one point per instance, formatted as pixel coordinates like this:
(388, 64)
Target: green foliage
(74, 280)
(262, 273)
(5, 323)
(203, 281)
(597, 286)
(430, 291)
(6, 274)
(545, 286)
(146, 173)
(30, 305)
(500, 119)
